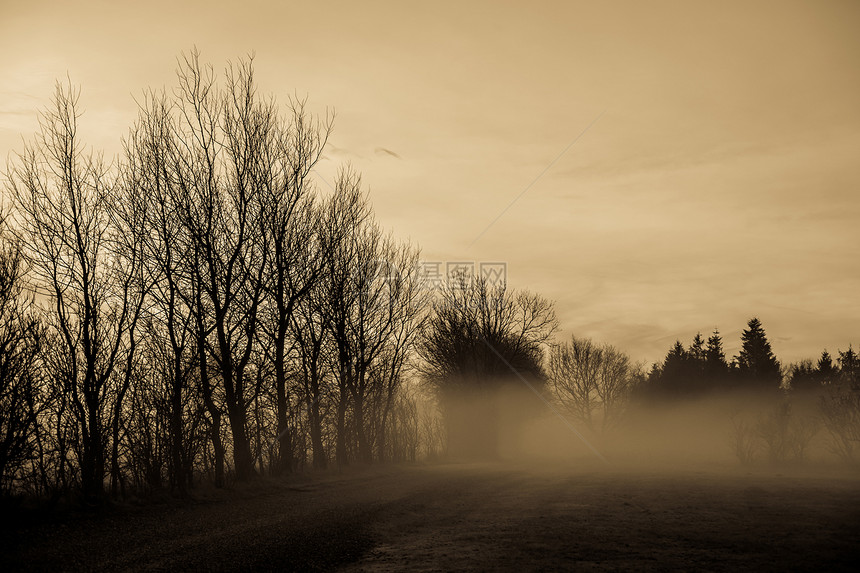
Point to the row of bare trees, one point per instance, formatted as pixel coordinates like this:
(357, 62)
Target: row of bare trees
(197, 306)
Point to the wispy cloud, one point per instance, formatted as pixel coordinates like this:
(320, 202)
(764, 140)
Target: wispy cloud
(388, 152)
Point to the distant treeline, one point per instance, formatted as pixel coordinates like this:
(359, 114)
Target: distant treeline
(780, 413)
(703, 367)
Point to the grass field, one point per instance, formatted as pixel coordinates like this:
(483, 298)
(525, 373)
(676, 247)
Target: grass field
(470, 517)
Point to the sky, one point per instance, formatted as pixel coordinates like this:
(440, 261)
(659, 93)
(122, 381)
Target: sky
(655, 168)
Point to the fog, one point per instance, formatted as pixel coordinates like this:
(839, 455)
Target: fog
(513, 424)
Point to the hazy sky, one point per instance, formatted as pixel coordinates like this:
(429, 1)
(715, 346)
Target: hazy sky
(719, 181)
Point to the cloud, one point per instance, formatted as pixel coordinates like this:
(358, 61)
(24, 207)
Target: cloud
(383, 151)
(335, 150)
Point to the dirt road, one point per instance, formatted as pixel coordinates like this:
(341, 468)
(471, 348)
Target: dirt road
(472, 517)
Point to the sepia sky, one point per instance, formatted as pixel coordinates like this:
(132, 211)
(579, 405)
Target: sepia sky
(680, 165)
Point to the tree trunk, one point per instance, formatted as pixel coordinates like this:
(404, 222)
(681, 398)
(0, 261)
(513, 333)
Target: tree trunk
(364, 449)
(218, 449)
(177, 473)
(315, 421)
(242, 458)
(340, 440)
(214, 413)
(382, 436)
(92, 465)
(285, 445)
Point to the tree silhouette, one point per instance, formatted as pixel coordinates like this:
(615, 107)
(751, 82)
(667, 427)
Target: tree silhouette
(20, 387)
(592, 382)
(825, 368)
(73, 217)
(675, 373)
(807, 375)
(757, 365)
(803, 376)
(840, 406)
(716, 367)
(849, 368)
(297, 260)
(477, 338)
(697, 348)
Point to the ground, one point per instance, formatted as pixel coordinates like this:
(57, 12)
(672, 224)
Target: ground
(471, 517)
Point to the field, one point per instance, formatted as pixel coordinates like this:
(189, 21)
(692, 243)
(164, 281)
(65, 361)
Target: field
(470, 517)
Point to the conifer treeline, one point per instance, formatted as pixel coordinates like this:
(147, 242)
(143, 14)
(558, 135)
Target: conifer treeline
(703, 367)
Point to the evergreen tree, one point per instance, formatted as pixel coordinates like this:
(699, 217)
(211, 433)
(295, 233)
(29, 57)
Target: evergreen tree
(697, 352)
(757, 365)
(654, 377)
(649, 387)
(697, 349)
(716, 367)
(803, 376)
(695, 374)
(849, 368)
(825, 371)
(674, 376)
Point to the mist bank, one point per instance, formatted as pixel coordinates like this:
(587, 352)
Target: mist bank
(735, 430)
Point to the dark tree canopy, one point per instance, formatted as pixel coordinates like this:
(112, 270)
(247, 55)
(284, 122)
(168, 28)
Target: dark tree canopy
(479, 334)
(675, 373)
(480, 345)
(803, 376)
(702, 368)
(756, 363)
(826, 369)
(716, 367)
(849, 369)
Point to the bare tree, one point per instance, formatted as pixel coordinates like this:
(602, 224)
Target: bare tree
(347, 214)
(200, 300)
(479, 333)
(21, 390)
(477, 338)
(403, 308)
(742, 439)
(221, 141)
(592, 382)
(840, 406)
(65, 199)
(293, 227)
(310, 331)
(840, 414)
(168, 256)
(317, 315)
